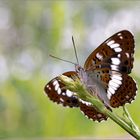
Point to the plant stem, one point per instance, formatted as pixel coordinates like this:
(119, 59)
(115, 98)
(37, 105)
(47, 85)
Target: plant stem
(131, 122)
(115, 118)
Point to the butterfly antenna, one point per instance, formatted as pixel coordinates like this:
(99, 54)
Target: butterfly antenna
(61, 59)
(75, 50)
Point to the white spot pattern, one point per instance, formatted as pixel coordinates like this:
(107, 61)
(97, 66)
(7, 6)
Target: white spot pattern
(114, 84)
(110, 42)
(115, 61)
(127, 54)
(99, 115)
(59, 91)
(117, 76)
(119, 34)
(109, 94)
(117, 81)
(56, 87)
(69, 93)
(86, 103)
(112, 91)
(115, 45)
(119, 55)
(121, 37)
(117, 49)
(61, 100)
(55, 82)
(49, 88)
(99, 56)
(114, 67)
(63, 93)
(127, 97)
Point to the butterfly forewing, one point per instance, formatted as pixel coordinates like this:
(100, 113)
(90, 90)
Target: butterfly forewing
(57, 92)
(116, 51)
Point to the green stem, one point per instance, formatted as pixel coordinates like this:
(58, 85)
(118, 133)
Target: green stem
(123, 125)
(131, 122)
(115, 118)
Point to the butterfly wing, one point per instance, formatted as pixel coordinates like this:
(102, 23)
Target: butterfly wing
(124, 93)
(91, 112)
(57, 92)
(118, 47)
(111, 62)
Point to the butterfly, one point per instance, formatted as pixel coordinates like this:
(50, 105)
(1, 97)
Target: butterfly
(105, 74)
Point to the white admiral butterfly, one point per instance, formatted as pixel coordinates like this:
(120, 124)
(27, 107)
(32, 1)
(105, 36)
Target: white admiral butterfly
(105, 73)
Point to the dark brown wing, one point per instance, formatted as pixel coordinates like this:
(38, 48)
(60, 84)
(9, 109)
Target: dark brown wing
(111, 62)
(120, 46)
(125, 93)
(56, 92)
(92, 113)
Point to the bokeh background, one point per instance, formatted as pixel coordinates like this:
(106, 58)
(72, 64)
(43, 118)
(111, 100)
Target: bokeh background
(31, 30)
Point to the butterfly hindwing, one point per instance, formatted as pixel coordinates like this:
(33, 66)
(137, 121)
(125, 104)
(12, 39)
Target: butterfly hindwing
(57, 92)
(125, 92)
(91, 112)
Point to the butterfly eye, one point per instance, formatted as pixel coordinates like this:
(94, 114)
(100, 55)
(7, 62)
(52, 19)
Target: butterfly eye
(78, 68)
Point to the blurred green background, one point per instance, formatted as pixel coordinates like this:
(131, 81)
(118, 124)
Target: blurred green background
(31, 30)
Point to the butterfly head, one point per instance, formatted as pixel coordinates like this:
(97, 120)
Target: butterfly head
(78, 68)
(81, 73)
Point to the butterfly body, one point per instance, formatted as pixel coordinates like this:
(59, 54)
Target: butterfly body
(95, 87)
(105, 74)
